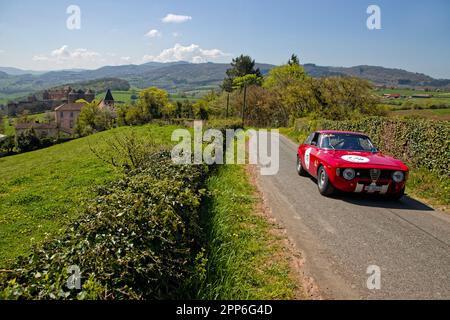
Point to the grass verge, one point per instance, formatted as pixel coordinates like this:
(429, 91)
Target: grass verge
(244, 258)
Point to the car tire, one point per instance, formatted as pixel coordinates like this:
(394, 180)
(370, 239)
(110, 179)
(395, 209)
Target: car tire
(300, 170)
(396, 196)
(323, 182)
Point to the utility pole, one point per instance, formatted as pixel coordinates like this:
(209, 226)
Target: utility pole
(244, 105)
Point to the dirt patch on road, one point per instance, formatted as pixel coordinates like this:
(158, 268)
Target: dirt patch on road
(306, 287)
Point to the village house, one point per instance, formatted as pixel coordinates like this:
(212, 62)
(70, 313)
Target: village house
(392, 95)
(421, 96)
(66, 115)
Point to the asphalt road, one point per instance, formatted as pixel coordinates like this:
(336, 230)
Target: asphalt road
(341, 237)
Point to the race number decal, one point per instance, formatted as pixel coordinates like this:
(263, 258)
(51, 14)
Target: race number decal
(357, 159)
(307, 157)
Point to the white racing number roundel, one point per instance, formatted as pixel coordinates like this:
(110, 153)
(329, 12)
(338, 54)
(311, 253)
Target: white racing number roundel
(357, 159)
(307, 157)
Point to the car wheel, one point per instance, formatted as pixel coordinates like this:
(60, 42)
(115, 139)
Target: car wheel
(323, 182)
(396, 196)
(300, 170)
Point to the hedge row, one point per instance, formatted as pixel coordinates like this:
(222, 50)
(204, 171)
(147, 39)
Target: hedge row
(140, 238)
(419, 142)
(137, 240)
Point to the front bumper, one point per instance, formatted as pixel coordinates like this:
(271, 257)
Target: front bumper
(381, 186)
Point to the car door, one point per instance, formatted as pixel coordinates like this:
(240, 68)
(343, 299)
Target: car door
(313, 154)
(308, 149)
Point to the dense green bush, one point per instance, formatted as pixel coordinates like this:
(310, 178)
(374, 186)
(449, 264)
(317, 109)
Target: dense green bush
(420, 142)
(138, 239)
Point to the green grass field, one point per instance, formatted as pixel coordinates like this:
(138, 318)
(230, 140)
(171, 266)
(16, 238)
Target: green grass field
(437, 114)
(43, 190)
(438, 100)
(125, 97)
(121, 97)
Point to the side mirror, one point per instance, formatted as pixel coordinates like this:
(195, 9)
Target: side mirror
(314, 143)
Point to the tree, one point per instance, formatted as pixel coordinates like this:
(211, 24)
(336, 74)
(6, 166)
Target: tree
(294, 60)
(28, 141)
(247, 80)
(281, 81)
(7, 144)
(240, 66)
(3, 124)
(201, 109)
(285, 75)
(93, 119)
(154, 102)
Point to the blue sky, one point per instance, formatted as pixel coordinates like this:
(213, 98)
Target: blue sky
(414, 35)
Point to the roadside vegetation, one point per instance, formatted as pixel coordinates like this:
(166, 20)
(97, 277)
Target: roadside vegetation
(144, 228)
(244, 258)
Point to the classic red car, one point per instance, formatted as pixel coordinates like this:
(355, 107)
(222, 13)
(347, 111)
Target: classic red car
(349, 161)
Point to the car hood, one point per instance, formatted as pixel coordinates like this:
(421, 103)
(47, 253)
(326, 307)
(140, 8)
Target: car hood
(367, 160)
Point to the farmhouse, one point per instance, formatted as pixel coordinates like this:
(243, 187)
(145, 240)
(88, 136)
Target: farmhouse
(392, 95)
(421, 96)
(66, 115)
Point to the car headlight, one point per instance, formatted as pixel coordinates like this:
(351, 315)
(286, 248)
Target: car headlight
(348, 174)
(398, 176)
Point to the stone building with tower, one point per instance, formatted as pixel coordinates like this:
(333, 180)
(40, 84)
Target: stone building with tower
(108, 103)
(67, 112)
(66, 115)
(51, 99)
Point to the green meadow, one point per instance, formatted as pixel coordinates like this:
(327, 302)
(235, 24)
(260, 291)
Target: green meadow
(42, 191)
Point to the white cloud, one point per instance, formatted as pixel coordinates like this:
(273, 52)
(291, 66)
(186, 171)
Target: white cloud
(176, 34)
(192, 53)
(39, 57)
(153, 33)
(175, 18)
(64, 53)
(125, 58)
(64, 57)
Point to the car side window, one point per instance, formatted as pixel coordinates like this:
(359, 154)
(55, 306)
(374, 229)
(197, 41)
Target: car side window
(309, 139)
(315, 139)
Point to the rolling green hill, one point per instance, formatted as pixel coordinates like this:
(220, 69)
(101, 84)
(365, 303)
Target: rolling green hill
(184, 76)
(42, 191)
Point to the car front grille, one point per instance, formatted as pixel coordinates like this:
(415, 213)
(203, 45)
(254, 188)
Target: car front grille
(373, 174)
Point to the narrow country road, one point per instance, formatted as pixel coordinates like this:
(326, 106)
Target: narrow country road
(341, 236)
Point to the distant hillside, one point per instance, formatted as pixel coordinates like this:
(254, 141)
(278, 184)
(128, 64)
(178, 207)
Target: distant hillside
(378, 75)
(17, 72)
(101, 85)
(186, 76)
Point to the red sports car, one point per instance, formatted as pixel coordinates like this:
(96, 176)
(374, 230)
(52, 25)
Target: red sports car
(348, 161)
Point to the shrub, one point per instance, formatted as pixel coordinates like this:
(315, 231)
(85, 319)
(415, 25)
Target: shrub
(137, 240)
(28, 141)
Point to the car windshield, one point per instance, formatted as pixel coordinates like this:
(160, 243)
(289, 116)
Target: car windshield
(346, 141)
